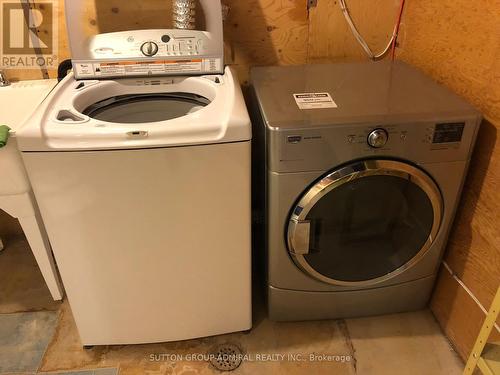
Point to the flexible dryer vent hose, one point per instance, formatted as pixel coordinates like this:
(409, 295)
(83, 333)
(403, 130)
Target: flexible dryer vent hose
(184, 14)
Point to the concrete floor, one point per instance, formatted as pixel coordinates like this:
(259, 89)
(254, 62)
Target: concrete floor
(22, 286)
(410, 343)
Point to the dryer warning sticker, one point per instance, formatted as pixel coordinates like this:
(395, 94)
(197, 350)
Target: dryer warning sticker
(314, 100)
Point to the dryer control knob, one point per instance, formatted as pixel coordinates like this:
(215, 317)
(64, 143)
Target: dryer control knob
(378, 138)
(149, 49)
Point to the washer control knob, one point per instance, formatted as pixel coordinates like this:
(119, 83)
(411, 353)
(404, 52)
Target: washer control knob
(149, 49)
(378, 138)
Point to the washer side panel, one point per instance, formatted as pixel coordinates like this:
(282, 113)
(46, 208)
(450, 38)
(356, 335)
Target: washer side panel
(152, 245)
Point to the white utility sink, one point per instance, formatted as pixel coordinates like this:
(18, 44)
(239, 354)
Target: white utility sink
(17, 103)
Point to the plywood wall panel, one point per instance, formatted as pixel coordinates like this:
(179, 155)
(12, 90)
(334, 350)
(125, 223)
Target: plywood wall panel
(266, 32)
(64, 52)
(457, 42)
(257, 32)
(330, 38)
(473, 250)
(452, 306)
(115, 15)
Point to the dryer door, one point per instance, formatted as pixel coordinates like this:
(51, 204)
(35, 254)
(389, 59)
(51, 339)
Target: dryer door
(365, 223)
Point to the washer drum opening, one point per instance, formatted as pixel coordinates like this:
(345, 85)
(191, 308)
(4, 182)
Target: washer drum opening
(144, 108)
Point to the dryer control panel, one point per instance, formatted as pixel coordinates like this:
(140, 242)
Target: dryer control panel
(448, 132)
(421, 142)
(445, 135)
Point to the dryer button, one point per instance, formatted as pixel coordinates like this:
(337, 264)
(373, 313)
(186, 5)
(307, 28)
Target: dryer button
(378, 138)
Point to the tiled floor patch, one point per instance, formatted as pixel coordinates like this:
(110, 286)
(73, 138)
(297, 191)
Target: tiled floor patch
(24, 339)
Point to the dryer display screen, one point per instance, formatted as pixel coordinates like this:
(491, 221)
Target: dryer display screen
(448, 133)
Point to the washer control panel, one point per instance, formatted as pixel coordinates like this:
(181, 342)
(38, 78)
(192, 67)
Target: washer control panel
(134, 51)
(149, 43)
(149, 53)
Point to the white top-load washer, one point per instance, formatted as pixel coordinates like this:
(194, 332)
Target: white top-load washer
(140, 162)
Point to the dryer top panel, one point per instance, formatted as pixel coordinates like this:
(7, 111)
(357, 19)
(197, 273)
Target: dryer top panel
(296, 97)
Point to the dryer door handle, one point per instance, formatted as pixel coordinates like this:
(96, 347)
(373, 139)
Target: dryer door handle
(301, 239)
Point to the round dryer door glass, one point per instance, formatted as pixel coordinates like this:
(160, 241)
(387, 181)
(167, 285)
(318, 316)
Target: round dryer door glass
(141, 108)
(365, 223)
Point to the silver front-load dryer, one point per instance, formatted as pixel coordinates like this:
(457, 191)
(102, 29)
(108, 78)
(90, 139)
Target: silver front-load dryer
(362, 166)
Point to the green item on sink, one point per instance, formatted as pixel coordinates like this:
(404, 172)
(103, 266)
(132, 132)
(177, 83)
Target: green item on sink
(4, 135)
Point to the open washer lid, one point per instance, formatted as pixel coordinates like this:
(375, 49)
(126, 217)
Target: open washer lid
(135, 53)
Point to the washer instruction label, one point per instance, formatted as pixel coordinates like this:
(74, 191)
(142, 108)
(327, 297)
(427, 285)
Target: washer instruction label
(314, 100)
(134, 68)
